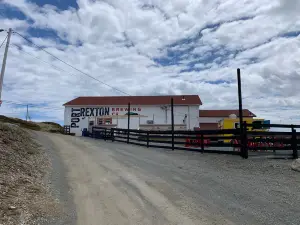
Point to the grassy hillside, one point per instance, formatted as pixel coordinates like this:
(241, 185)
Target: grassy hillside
(42, 126)
(24, 195)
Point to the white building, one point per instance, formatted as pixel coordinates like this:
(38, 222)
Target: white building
(83, 112)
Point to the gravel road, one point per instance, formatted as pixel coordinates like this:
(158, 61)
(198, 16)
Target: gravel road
(115, 183)
(58, 181)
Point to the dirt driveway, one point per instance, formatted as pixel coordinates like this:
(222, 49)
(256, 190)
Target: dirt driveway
(120, 184)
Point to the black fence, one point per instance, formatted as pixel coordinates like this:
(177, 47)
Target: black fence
(234, 141)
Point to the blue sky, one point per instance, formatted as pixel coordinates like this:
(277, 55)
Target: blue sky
(60, 4)
(150, 47)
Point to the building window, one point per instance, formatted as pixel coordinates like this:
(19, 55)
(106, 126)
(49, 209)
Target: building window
(108, 121)
(150, 122)
(236, 125)
(102, 121)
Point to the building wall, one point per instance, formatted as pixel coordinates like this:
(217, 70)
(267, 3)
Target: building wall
(209, 126)
(210, 123)
(78, 117)
(210, 119)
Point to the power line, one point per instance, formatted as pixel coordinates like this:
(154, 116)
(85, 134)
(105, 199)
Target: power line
(36, 57)
(39, 47)
(12, 103)
(62, 70)
(176, 114)
(48, 63)
(4, 41)
(39, 108)
(34, 107)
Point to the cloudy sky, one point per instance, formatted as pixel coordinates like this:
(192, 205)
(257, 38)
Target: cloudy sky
(150, 47)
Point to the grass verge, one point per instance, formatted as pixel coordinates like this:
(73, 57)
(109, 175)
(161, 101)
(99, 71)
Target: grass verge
(24, 194)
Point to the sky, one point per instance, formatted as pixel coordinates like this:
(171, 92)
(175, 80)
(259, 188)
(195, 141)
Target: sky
(152, 47)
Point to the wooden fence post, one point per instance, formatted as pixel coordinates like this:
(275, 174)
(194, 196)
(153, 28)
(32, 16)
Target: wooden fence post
(274, 151)
(241, 142)
(294, 143)
(245, 140)
(202, 143)
(172, 119)
(128, 123)
(112, 134)
(147, 139)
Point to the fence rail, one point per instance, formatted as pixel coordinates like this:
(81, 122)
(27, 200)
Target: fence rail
(233, 141)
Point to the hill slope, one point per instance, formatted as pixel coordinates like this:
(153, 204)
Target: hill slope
(24, 195)
(41, 126)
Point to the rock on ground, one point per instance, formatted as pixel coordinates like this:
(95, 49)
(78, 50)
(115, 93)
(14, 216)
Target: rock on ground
(296, 165)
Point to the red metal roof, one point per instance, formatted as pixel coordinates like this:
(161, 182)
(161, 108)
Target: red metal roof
(136, 100)
(224, 113)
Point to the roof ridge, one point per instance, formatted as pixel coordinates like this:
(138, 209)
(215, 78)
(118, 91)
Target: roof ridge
(223, 112)
(138, 100)
(221, 109)
(105, 96)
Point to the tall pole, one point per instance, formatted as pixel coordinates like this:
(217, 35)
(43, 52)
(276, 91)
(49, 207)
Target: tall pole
(172, 119)
(240, 108)
(27, 116)
(4, 60)
(189, 118)
(128, 125)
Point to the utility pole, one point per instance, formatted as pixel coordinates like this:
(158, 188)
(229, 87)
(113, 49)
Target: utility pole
(4, 61)
(241, 111)
(27, 116)
(240, 98)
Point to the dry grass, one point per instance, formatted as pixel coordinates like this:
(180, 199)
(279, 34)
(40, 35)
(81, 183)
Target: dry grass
(51, 127)
(19, 122)
(43, 126)
(24, 196)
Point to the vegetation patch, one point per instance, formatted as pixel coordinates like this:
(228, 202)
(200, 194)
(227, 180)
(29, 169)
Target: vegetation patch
(24, 194)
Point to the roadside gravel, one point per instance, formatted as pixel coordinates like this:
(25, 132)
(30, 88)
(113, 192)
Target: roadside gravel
(24, 194)
(57, 181)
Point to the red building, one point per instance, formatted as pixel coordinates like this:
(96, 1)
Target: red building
(208, 119)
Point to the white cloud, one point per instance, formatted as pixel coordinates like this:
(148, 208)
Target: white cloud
(13, 23)
(214, 36)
